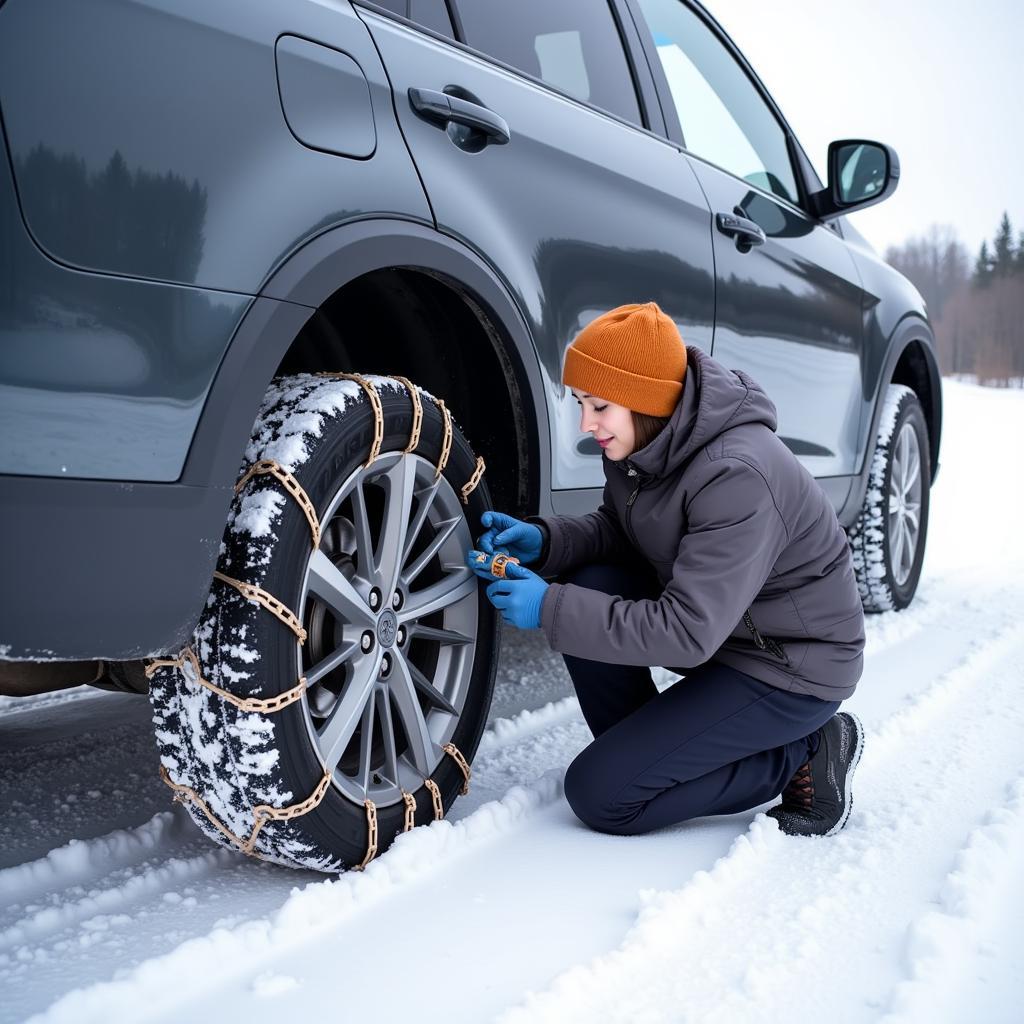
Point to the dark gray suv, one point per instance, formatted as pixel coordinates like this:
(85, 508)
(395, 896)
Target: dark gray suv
(285, 289)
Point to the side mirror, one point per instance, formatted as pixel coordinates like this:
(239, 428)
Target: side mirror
(860, 174)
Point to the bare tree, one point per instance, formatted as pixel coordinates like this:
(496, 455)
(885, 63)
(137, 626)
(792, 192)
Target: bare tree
(977, 313)
(936, 262)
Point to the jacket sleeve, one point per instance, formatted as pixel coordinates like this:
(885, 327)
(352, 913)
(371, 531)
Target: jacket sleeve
(573, 540)
(736, 533)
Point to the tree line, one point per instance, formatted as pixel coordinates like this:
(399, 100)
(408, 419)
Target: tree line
(976, 308)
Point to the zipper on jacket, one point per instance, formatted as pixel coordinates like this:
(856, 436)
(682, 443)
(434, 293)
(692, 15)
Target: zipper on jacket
(765, 642)
(629, 506)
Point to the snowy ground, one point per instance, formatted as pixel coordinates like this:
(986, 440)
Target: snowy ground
(114, 908)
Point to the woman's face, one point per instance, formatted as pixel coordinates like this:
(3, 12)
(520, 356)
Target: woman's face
(611, 424)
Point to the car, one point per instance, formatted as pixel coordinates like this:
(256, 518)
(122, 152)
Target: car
(286, 291)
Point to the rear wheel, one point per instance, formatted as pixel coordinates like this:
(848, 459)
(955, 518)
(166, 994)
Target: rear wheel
(389, 629)
(888, 538)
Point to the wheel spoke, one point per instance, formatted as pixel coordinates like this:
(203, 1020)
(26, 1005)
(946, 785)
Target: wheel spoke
(421, 746)
(331, 662)
(329, 583)
(904, 455)
(364, 540)
(398, 480)
(366, 743)
(444, 636)
(455, 586)
(913, 469)
(896, 551)
(894, 489)
(444, 531)
(907, 553)
(390, 769)
(427, 688)
(339, 727)
(426, 498)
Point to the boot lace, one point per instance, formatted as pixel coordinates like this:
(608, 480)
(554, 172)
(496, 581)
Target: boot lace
(799, 791)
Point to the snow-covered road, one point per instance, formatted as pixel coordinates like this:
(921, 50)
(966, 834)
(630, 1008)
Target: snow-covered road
(113, 907)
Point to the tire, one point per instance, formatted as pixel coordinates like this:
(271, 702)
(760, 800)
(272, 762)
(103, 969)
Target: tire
(889, 535)
(442, 662)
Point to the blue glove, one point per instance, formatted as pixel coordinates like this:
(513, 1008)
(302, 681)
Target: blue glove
(522, 540)
(480, 563)
(518, 596)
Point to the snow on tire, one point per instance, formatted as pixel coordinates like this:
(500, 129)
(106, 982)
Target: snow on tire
(888, 538)
(401, 643)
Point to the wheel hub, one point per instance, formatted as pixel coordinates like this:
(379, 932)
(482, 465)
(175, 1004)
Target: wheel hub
(387, 628)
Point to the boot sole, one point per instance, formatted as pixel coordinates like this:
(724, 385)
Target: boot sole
(858, 749)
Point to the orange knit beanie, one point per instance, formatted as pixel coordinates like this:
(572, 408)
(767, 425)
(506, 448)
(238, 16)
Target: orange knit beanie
(632, 355)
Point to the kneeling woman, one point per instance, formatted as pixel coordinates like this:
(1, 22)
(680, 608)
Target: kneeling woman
(715, 554)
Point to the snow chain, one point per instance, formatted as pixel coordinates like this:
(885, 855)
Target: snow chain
(417, 419)
(188, 664)
(292, 486)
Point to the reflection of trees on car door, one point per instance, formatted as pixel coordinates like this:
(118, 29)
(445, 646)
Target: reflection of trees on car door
(788, 306)
(583, 208)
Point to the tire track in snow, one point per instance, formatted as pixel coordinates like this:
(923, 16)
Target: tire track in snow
(499, 764)
(116, 872)
(939, 941)
(130, 863)
(518, 772)
(803, 906)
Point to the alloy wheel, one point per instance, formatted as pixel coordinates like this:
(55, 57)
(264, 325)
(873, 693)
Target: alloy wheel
(390, 609)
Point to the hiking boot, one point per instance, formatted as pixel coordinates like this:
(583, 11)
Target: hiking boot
(817, 799)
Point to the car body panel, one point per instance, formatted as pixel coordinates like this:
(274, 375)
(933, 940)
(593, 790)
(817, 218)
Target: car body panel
(101, 377)
(579, 212)
(177, 162)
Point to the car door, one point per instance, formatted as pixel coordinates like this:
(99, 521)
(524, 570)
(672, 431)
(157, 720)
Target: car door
(569, 187)
(788, 308)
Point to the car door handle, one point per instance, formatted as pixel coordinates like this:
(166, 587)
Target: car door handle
(747, 233)
(440, 108)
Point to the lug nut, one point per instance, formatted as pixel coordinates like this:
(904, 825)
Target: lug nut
(396, 600)
(385, 665)
(366, 641)
(374, 598)
(401, 635)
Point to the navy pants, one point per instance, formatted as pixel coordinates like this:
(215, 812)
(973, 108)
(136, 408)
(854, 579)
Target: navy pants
(717, 741)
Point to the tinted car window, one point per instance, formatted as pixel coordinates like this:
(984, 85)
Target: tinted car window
(431, 14)
(573, 45)
(724, 118)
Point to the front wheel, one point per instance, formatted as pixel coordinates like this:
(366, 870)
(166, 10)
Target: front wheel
(340, 676)
(888, 538)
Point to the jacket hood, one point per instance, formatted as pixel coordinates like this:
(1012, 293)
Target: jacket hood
(713, 399)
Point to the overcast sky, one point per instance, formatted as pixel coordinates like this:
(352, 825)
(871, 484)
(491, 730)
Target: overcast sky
(935, 79)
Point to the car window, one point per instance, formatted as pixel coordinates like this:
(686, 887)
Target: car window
(573, 45)
(432, 14)
(723, 116)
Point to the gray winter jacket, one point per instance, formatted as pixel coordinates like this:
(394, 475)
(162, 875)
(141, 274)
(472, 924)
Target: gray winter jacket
(732, 522)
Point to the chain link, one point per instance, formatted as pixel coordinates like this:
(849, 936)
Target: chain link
(378, 412)
(446, 444)
(262, 813)
(471, 483)
(462, 763)
(264, 705)
(435, 794)
(291, 485)
(417, 412)
(263, 597)
(371, 831)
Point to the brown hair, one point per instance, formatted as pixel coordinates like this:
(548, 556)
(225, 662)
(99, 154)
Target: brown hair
(646, 428)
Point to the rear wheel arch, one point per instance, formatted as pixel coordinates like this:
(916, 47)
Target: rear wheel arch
(289, 326)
